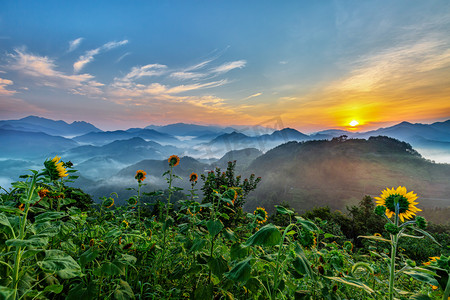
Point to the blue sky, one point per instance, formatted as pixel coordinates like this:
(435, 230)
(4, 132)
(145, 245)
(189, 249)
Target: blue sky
(310, 64)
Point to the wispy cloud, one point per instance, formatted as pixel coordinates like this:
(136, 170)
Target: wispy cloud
(226, 67)
(406, 64)
(198, 66)
(43, 71)
(74, 44)
(187, 75)
(145, 71)
(252, 96)
(89, 55)
(123, 56)
(3, 90)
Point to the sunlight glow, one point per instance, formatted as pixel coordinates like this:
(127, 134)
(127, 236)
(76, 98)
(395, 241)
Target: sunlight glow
(353, 123)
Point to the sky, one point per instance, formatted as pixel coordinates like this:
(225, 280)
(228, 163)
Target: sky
(309, 65)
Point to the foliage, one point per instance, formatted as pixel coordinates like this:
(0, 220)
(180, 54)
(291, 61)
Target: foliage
(173, 245)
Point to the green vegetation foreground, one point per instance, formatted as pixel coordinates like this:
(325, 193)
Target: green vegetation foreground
(55, 245)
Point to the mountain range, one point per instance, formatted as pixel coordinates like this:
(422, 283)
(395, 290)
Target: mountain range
(333, 167)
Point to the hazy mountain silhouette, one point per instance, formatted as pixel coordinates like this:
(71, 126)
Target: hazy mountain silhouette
(29, 145)
(105, 137)
(51, 127)
(124, 151)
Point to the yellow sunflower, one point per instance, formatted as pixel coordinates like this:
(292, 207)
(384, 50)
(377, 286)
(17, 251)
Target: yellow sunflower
(434, 258)
(261, 215)
(55, 169)
(173, 160)
(140, 175)
(390, 197)
(193, 177)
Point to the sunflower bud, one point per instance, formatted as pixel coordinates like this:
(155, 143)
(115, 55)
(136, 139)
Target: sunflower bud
(391, 228)
(380, 210)
(421, 222)
(411, 263)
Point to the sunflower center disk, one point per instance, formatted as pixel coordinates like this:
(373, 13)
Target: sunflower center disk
(402, 201)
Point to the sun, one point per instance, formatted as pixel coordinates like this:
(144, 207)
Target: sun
(353, 123)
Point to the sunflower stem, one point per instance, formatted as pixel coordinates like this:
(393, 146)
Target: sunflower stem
(394, 239)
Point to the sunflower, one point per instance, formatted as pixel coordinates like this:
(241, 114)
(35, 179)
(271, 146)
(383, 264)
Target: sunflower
(434, 258)
(261, 215)
(125, 223)
(43, 192)
(390, 197)
(173, 160)
(140, 175)
(55, 169)
(193, 177)
(108, 202)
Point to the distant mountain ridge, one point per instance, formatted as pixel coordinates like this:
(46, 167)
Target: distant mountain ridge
(48, 126)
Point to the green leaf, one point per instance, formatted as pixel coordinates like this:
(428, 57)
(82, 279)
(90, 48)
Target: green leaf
(284, 211)
(214, 227)
(307, 224)
(5, 221)
(376, 238)
(113, 268)
(123, 291)
(48, 216)
(241, 271)
(229, 234)
(427, 234)
(254, 285)
(88, 256)
(352, 282)
(420, 297)
(422, 277)
(12, 210)
(198, 244)
(328, 235)
(6, 293)
(34, 241)
(31, 252)
(238, 251)
(204, 292)
(62, 264)
(218, 266)
(268, 235)
(301, 263)
(54, 288)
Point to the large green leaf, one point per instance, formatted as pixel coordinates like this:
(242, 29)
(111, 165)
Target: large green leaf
(268, 235)
(238, 251)
(352, 282)
(54, 288)
(218, 266)
(420, 297)
(214, 227)
(62, 264)
(424, 277)
(123, 291)
(302, 265)
(88, 256)
(241, 271)
(6, 293)
(284, 211)
(33, 241)
(198, 244)
(5, 221)
(204, 292)
(307, 224)
(113, 268)
(48, 216)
